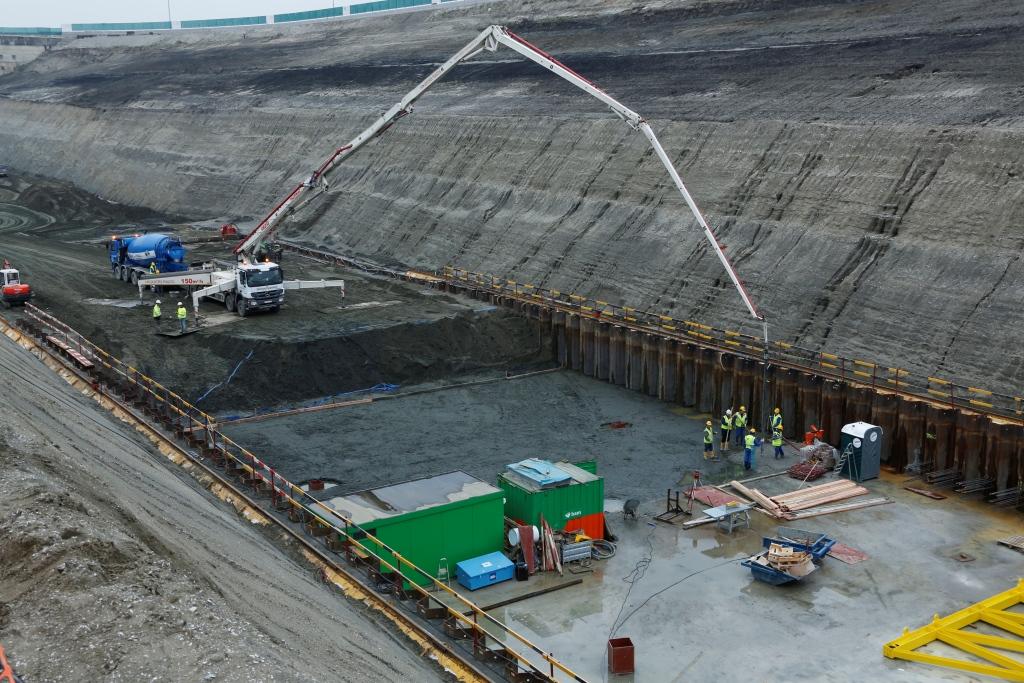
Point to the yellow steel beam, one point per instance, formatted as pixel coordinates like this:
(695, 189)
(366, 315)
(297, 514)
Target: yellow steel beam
(979, 645)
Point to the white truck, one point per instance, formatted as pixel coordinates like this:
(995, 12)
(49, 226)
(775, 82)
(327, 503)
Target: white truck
(243, 289)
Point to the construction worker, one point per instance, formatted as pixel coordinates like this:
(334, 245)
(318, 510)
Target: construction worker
(182, 317)
(726, 428)
(739, 425)
(152, 269)
(750, 442)
(777, 420)
(777, 442)
(709, 441)
(156, 313)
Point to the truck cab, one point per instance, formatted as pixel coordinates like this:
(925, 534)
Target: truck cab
(259, 287)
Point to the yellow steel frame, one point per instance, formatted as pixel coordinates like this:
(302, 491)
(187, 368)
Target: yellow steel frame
(950, 630)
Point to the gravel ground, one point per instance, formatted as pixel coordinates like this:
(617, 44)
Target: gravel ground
(318, 344)
(116, 566)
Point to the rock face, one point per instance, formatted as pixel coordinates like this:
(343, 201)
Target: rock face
(861, 162)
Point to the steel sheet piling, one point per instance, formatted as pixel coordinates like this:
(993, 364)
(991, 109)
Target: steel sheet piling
(617, 355)
(651, 368)
(634, 360)
(909, 445)
(706, 394)
(668, 373)
(939, 444)
(687, 361)
(587, 346)
(970, 446)
(558, 337)
(572, 333)
(603, 351)
(883, 414)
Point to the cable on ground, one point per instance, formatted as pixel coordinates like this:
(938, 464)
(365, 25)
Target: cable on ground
(228, 380)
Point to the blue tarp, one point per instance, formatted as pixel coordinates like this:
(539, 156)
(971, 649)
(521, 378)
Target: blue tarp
(544, 472)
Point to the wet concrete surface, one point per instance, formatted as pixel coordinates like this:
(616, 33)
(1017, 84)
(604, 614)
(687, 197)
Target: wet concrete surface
(694, 614)
(482, 428)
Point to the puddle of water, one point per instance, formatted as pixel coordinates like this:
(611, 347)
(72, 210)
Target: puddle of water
(117, 303)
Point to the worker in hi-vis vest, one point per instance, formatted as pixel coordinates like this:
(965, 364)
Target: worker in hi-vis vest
(739, 426)
(777, 420)
(726, 428)
(777, 442)
(156, 313)
(182, 317)
(709, 441)
(751, 442)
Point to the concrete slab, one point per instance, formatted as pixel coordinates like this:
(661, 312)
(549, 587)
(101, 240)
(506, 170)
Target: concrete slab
(484, 427)
(694, 614)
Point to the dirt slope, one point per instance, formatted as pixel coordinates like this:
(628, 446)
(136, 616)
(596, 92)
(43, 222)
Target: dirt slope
(116, 567)
(860, 160)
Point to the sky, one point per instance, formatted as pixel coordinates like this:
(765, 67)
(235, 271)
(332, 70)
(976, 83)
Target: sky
(57, 12)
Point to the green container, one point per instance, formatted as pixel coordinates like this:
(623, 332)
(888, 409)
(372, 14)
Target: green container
(382, 5)
(29, 31)
(136, 26)
(216, 23)
(587, 466)
(453, 516)
(525, 501)
(309, 15)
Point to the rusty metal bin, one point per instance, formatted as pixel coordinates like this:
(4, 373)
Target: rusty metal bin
(620, 656)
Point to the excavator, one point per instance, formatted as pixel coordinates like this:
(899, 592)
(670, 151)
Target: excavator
(247, 251)
(13, 292)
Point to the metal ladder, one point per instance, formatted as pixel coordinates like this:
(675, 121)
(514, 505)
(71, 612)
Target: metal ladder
(843, 457)
(442, 571)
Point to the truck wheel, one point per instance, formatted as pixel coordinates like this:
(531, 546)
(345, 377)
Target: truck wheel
(229, 302)
(243, 309)
(133, 277)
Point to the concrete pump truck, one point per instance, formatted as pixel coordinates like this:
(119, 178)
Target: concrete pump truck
(254, 285)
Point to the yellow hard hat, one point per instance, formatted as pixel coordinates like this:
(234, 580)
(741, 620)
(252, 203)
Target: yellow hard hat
(743, 407)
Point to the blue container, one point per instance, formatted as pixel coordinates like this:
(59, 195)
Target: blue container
(485, 570)
(768, 574)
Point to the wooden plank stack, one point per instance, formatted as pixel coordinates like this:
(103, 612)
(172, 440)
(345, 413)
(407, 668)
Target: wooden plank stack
(808, 502)
(813, 496)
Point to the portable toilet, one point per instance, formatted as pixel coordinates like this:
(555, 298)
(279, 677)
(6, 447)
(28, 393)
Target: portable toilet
(865, 442)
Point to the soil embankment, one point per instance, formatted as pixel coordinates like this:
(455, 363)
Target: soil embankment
(859, 161)
(115, 566)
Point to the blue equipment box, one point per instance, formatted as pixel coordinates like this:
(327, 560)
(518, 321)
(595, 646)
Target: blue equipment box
(485, 570)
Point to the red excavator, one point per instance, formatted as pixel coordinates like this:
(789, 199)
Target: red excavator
(13, 291)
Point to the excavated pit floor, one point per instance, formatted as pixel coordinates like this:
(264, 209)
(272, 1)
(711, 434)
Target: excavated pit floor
(319, 344)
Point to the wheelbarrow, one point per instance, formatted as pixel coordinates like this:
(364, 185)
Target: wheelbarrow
(813, 542)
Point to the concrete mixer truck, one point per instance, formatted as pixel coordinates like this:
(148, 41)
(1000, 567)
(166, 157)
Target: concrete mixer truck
(134, 256)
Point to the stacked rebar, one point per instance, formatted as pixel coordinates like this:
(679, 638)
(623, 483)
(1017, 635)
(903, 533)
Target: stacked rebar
(1011, 498)
(982, 485)
(946, 478)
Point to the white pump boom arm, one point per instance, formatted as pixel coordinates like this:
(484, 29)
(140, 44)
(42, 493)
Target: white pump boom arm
(489, 39)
